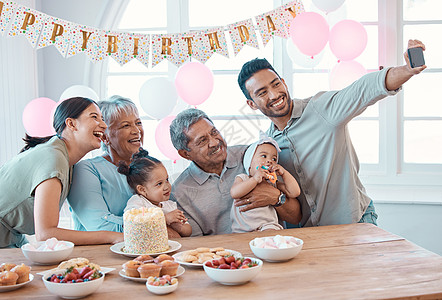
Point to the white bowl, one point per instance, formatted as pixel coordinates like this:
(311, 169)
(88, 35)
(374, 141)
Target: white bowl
(275, 255)
(48, 257)
(72, 290)
(234, 276)
(161, 290)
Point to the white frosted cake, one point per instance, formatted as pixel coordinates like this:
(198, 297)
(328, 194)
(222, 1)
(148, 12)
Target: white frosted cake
(145, 230)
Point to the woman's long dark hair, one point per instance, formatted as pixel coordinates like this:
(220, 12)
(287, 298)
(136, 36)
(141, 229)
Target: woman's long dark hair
(69, 108)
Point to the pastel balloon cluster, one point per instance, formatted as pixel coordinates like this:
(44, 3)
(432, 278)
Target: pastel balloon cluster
(310, 32)
(38, 114)
(158, 97)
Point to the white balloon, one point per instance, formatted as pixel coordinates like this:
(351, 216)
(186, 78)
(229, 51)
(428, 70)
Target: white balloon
(300, 58)
(158, 97)
(328, 5)
(79, 91)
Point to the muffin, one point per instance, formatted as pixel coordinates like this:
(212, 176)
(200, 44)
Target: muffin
(6, 267)
(130, 268)
(149, 269)
(8, 278)
(169, 267)
(144, 259)
(163, 257)
(22, 272)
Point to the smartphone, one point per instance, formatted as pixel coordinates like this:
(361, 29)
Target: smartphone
(416, 56)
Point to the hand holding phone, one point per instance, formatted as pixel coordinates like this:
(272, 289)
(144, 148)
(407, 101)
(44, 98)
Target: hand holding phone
(416, 57)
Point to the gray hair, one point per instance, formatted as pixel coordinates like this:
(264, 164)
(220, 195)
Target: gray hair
(112, 109)
(181, 125)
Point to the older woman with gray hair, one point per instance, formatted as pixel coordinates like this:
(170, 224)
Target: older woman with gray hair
(99, 193)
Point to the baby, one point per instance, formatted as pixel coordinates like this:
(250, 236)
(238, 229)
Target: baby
(261, 163)
(149, 180)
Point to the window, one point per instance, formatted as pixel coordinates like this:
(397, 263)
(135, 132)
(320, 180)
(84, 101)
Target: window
(398, 140)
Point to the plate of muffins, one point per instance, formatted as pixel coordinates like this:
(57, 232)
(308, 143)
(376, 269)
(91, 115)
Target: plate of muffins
(144, 266)
(13, 276)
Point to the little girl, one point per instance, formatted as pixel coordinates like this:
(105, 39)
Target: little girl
(149, 180)
(260, 162)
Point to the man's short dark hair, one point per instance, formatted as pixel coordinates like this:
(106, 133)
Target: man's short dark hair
(250, 68)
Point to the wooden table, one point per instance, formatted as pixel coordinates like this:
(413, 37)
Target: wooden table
(337, 262)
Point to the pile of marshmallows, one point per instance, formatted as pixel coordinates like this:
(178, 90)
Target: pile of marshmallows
(49, 245)
(276, 242)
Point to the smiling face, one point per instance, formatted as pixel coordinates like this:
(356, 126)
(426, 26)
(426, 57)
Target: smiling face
(157, 188)
(90, 127)
(265, 155)
(124, 137)
(269, 94)
(208, 148)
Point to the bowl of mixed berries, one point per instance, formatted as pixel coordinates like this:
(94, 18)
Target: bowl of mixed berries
(73, 282)
(231, 270)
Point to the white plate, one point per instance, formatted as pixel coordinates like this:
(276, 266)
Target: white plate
(49, 272)
(177, 257)
(118, 248)
(8, 288)
(122, 273)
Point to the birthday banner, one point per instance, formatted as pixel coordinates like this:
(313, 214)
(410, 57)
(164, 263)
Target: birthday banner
(42, 30)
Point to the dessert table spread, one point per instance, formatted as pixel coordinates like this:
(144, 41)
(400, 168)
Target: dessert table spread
(336, 262)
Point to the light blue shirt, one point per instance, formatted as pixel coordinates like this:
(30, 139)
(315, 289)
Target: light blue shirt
(98, 195)
(316, 149)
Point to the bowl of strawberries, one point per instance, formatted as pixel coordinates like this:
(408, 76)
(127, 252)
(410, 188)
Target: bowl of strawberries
(231, 270)
(73, 283)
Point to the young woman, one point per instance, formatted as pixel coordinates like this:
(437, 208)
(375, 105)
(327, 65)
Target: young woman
(35, 183)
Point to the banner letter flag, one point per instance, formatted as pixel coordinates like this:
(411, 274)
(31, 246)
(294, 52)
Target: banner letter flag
(272, 23)
(76, 45)
(291, 10)
(55, 32)
(242, 33)
(200, 46)
(161, 48)
(171, 47)
(117, 47)
(217, 41)
(87, 40)
(7, 10)
(139, 45)
(28, 22)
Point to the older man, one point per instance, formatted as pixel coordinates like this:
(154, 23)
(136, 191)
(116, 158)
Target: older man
(313, 136)
(203, 189)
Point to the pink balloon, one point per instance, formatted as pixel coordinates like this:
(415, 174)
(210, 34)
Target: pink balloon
(345, 73)
(309, 32)
(37, 117)
(162, 138)
(194, 82)
(348, 39)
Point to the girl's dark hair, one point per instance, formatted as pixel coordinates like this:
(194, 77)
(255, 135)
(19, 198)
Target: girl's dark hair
(69, 108)
(138, 172)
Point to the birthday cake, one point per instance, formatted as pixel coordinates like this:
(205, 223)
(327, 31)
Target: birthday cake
(145, 231)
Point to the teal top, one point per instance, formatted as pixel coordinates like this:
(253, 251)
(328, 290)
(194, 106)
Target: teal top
(18, 179)
(98, 195)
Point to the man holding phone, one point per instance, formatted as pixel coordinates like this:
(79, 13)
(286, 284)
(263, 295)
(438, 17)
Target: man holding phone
(313, 137)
